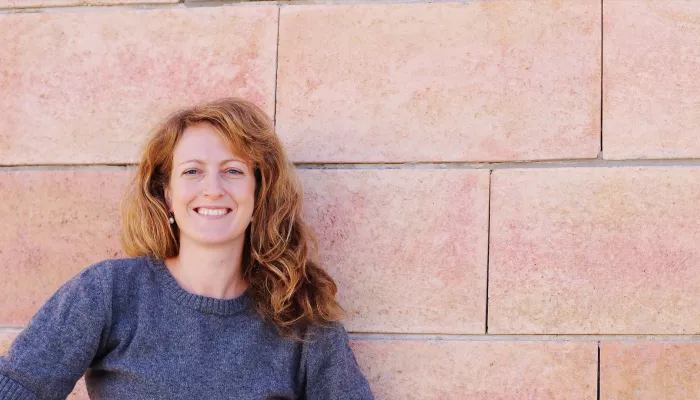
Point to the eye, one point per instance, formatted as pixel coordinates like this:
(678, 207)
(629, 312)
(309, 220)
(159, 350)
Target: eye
(233, 171)
(187, 172)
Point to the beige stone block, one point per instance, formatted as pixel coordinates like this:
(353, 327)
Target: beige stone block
(651, 102)
(478, 370)
(406, 247)
(595, 251)
(86, 87)
(5, 342)
(649, 370)
(474, 81)
(55, 223)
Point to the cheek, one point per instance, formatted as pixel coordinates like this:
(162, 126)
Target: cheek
(182, 195)
(243, 192)
(250, 194)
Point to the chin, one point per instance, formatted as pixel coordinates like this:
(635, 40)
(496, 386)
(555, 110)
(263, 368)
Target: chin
(216, 240)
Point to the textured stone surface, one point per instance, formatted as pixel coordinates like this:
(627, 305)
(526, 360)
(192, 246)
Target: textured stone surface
(55, 223)
(407, 247)
(484, 80)
(499, 370)
(214, 1)
(86, 87)
(595, 250)
(652, 79)
(5, 342)
(649, 370)
(54, 3)
(79, 392)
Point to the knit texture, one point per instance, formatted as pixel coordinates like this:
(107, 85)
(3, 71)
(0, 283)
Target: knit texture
(136, 334)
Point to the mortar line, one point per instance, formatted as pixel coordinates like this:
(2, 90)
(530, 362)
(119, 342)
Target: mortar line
(277, 63)
(67, 167)
(523, 338)
(589, 163)
(601, 78)
(146, 5)
(488, 252)
(598, 375)
(13, 329)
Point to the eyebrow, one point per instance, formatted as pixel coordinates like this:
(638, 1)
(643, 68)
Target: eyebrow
(223, 162)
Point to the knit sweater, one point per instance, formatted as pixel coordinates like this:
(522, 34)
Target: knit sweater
(128, 326)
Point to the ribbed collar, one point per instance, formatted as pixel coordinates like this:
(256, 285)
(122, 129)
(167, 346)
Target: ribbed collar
(201, 303)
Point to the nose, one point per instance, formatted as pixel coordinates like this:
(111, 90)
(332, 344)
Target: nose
(213, 186)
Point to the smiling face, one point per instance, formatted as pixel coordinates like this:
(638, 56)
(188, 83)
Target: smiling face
(211, 191)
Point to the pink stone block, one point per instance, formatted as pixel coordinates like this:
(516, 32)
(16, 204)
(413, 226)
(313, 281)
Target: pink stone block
(406, 247)
(474, 81)
(649, 370)
(80, 391)
(478, 370)
(62, 3)
(86, 87)
(55, 223)
(651, 99)
(595, 251)
(5, 342)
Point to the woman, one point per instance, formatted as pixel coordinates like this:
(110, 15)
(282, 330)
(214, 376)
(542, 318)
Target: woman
(221, 298)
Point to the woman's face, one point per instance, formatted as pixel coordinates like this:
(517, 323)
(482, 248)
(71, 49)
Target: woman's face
(211, 190)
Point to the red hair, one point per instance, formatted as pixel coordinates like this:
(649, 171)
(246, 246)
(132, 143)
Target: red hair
(288, 287)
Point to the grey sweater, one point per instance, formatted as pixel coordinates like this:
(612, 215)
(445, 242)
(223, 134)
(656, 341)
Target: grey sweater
(136, 334)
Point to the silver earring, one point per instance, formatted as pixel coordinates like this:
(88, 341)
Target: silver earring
(171, 219)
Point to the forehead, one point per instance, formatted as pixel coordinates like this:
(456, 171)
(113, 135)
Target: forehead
(203, 142)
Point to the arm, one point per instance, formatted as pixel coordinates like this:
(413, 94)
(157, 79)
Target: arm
(329, 367)
(51, 354)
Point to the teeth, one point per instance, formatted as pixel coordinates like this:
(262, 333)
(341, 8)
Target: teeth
(209, 211)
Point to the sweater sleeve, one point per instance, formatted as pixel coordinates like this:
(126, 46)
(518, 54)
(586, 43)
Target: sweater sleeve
(329, 367)
(58, 345)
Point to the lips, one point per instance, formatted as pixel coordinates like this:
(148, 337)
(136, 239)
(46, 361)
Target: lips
(212, 211)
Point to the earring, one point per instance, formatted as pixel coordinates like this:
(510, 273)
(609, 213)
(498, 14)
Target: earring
(171, 219)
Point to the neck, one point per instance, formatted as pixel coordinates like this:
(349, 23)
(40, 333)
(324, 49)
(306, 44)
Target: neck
(206, 271)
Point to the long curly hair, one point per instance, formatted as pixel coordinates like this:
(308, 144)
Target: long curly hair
(288, 287)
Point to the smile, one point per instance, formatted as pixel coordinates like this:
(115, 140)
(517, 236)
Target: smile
(212, 212)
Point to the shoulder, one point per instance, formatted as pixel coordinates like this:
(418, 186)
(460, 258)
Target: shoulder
(98, 283)
(123, 282)
(323, 342)
(119, 267)
(327, 328)
(116, 273)
(327, 334)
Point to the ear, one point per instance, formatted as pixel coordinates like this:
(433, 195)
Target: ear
(168, 200)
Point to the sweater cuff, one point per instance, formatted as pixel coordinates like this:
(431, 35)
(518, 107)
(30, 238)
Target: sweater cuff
(11, 390)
